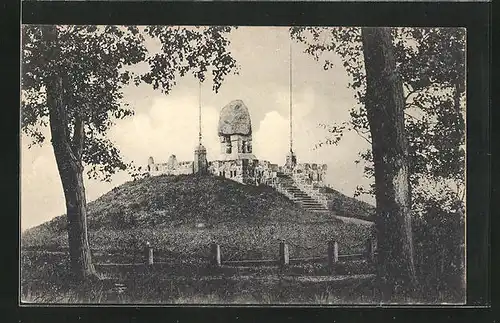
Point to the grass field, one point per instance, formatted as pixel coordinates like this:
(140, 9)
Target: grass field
(237, 242)
(180, 216)
(44, 279)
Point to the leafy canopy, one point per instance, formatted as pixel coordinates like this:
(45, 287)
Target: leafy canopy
(431, 62)
(97, 62)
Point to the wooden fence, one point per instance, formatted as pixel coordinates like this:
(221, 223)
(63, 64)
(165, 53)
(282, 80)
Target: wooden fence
(332, 257)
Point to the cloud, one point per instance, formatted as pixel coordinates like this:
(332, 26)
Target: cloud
(168, 124)
(41, 189)
(270, 142)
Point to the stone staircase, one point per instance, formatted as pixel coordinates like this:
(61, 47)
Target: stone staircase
(288, 187)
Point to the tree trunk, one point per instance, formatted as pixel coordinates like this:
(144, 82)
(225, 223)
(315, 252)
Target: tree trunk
(384, 105)
(68, 154)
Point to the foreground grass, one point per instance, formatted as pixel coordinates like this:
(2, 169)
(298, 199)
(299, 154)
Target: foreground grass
(178, 292)
(180, 216)
(45, 279)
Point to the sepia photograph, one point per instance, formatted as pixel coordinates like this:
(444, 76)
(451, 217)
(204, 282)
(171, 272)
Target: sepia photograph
(242, 165)
(386, 1)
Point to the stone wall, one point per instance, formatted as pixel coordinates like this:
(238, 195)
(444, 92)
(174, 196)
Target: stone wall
(180, 168)
(310, 173)
(246, 171)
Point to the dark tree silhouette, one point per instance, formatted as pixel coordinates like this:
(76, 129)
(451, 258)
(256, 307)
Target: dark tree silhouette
(72, 80)
(431, 63)
(385, 112)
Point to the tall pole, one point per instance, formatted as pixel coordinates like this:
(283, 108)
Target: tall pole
(199, 112)
(291, 97)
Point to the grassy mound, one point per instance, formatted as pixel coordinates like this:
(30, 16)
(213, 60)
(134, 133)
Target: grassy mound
(181, 215)
(346, 206)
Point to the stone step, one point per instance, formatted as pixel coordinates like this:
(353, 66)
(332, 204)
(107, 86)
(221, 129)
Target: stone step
(319, 207)
(305, 198)
(315, 208)
(308, 202)
(300, 197)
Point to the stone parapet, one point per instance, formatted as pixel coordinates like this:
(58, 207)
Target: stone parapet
(246, 171)
(179, 168)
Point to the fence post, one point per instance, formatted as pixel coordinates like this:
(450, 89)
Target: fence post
(284, 255)
(149, 254)
(333, 254)
(370, 250)
(215, 255)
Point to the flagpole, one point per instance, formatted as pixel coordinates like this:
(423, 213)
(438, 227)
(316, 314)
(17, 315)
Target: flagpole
(199, 112)
(291, 97)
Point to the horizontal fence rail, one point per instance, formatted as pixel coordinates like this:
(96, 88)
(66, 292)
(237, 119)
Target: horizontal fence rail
(215, 257)
(249, 262)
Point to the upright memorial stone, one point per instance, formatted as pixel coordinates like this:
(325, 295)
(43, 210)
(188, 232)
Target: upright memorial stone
(284, 255)
(215, 255)
(148, 254)
(333, 255)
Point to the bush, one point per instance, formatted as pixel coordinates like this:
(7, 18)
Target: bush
(439, 247)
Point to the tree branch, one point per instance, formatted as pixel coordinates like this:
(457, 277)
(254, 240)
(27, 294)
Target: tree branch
(58, 118)
(416, 105)
(54, 83)
(409, 94)
(362, 136)
(409, 115)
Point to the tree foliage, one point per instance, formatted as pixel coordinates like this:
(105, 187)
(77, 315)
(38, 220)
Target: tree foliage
(98, 62)
(73, 79)
(431, 63)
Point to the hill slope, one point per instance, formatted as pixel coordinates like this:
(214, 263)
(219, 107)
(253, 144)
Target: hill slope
(343, 205)
(183, 214)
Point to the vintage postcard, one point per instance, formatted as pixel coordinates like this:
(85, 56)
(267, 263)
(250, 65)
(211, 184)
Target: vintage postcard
(407, 1)
(242, 165)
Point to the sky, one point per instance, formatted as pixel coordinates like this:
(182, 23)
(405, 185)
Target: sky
(168, 124)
